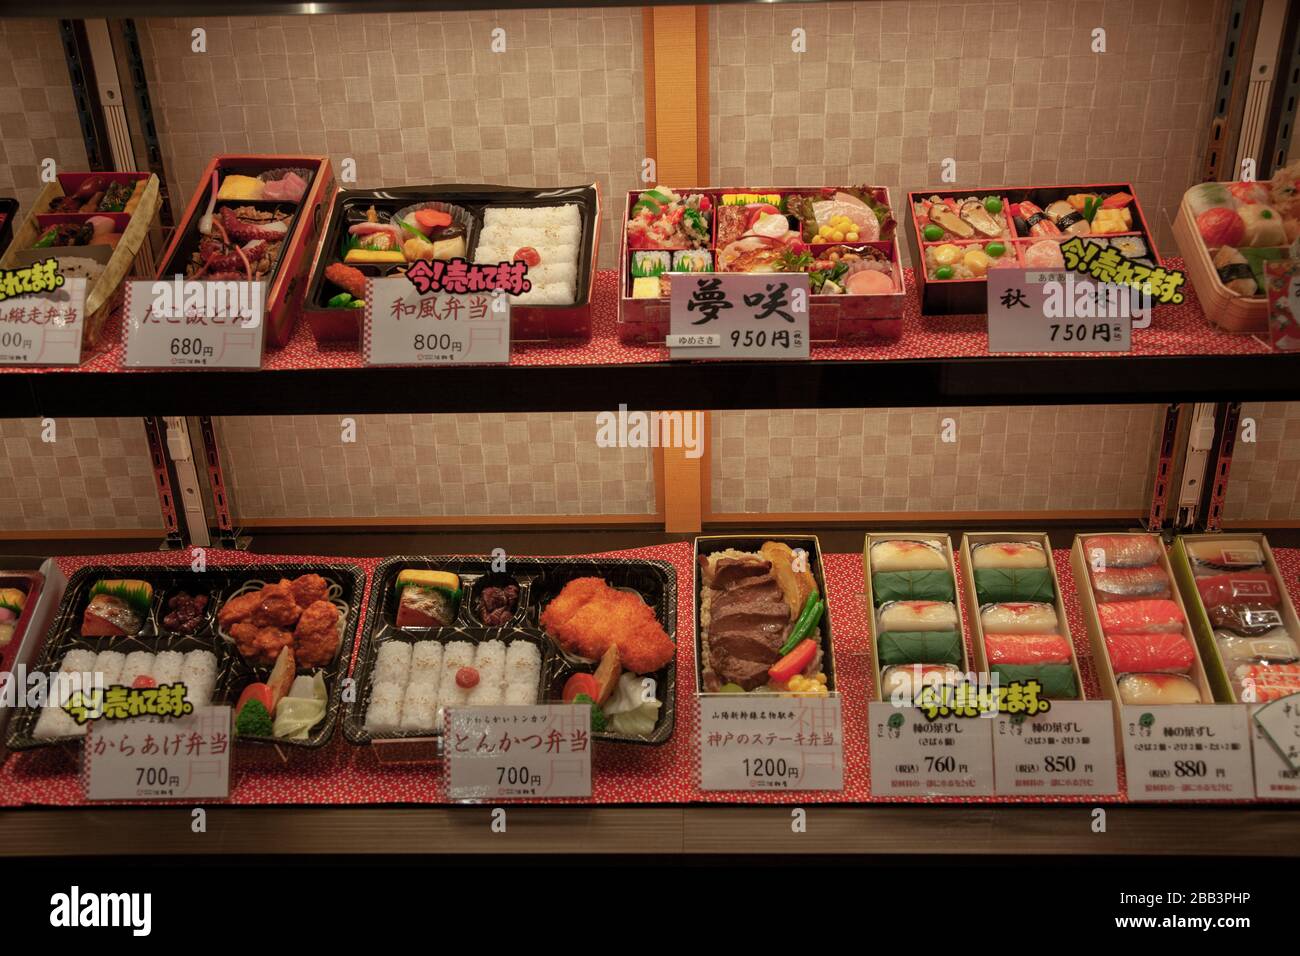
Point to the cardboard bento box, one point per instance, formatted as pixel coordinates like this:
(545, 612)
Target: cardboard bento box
(873, 627)
(1216, 668)
(109, 264)
(832, 318)
(706, 545)
(287, 276)
(528, 322)
(1106, 675)
(964, 294)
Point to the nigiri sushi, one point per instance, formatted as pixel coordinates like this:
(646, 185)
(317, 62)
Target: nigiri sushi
(1009, 554)
(1044, 255)
(1127, 584)
(1018, 618)
(1155, 653)
(1258, 587)
(1026, 649)
(918, 616)
(1067, 218)
(1235, 272)
(1037, 222)
(1122, 550)
(1140, 617)
(1145, 689)
(908, 555)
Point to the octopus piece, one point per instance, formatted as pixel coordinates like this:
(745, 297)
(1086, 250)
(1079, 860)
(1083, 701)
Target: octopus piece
(316, 637)
(277, 607)
(260, 645)
(308, 589)
(264, 225)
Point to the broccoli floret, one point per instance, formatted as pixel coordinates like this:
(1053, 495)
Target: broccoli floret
(253, 720)
(597, 715)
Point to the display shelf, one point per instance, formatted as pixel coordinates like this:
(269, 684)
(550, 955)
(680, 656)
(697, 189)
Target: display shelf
(938, 361)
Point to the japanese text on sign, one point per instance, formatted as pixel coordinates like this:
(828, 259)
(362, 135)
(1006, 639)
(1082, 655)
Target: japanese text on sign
(1188, 752)
(122, 703)
(43, 276)
(157, 758)
(753, 316)
(194, 324)
(1109, 265)
(1070, 751)
(972, 699)
(462, 277)
(913, 755)
(42, 328)
(405, 327)
(1275, 737)
(502, 753)
(763, 742)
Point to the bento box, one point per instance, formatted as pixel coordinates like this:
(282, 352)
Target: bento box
(94, 224)
(272, 640)
(19, 593)
(1143, 647)
(762, 616)
(373, 233)
(1226, 233)
(447, 631)
(845, 239)
(1011, 583)
(956, 236)
(1242, 614)
(917, 636)
(254, 218)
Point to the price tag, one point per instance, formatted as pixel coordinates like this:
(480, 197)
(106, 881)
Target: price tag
(1068, 750)
(754, 316)
(912, 756)
(767, 742)
(160, 758)
(1033, 311)
(1187, 752)
(1275, 736)
(506, 753)
(402, 327)
(180, 323)
(44, 329)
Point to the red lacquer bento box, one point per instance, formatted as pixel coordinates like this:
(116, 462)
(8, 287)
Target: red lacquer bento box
(834, 234)
(266, 214)
(13, 627)
(956, 236)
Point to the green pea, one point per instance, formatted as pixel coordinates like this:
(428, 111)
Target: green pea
(943, 272)
(932, 233)
(995, 249)
(993, 204)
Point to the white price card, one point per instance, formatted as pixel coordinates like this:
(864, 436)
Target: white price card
(1187, 752)
(714, 315)
(194, 323)
(1061, 311)
(1275, 736)
(160, 758)
(44, 328)
(769, 742)
(505, 753)
(1070, 749)
(401, 326)
(913, 756)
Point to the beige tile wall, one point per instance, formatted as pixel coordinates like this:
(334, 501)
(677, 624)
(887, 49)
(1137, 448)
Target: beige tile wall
(432, 465)
(38, 119)
(95, 474)
(1011, 90)
(414, 98)
(1264, 483)
(1036, 459)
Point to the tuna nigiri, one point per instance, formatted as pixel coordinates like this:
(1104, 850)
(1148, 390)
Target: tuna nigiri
(1027, 649)
(1122, 550)
(1158, 653)
(1127, 584)
(1140, 617)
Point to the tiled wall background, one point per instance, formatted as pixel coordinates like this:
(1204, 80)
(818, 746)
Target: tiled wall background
(414, 98)
(1010, 90)
(95, 474)
(1057, 458)
(428, 465)
(1264, 484)
(38, 119)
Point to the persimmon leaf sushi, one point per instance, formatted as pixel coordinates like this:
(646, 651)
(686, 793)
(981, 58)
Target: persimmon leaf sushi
(1255, 586)
(908, 555)
(997, 585)
(1247, 618)
(1019, 618)
(1122, 550)
(1215, 556)
(1026, 649)
(1055, 681)
(1009, 554)
(1167, 652)
(919, 647)
(1275, 647)
(1140, 617)
(1264, 682)
(1145, 689)
(918, 616)
(913, 586)
(907, 680)
(1129, 584)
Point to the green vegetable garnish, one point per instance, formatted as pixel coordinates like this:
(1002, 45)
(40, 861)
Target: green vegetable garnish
(454, 596)
(731, 689)
(340, 301)
(993, 204)
(995, 249)
(134, 598)
(411, 229)
(656, 196)
(1090, 207)
(791, 261)
(943, 272)
(812, 612)
(597, 715)
(932, 233)
(47, 238)
(254, 721)
(644, 203)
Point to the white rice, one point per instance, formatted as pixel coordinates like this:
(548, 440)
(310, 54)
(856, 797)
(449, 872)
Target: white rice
(199, 674)
(426, 662)
(109, 665)
(77, 660)
(521, 695)
(137, 664)
(392, 663)
(56, 722)
(419, 705)
(167, 666)
(554, 231)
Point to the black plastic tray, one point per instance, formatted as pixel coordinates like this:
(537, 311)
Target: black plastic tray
(539, 580)
(233, 672)
(708, 544)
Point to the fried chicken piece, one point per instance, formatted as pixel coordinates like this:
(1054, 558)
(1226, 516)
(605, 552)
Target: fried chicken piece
(308, 589)
(590, 616)
(316, 638)
(277, 607)
(238, 609)
(260, 645)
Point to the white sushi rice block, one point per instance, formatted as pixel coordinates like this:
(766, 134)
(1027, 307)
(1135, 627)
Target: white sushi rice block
(426, 662)
(420, 705)
(392, 663)
(384, 712)
(554, 231)
(56, 722)
(137, 664)
(167, 666)
(521, 695)
(455, 655)
(485, 695)
(199, 674)
(78, 661)
(523, 663)
(109, 664)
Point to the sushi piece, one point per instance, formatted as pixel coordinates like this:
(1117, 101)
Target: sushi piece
(1226, 555)
(1273, 647)
(919, 647)
(1037, 222)
(1249, 619)
(1147, 689)
(1055, 681)
(907, 680)
(1235, 272)
(1264, 228)
(1132, 247)
(1122, 551)
(1124, 618)
(1221, 226)
(1206, 196)
(918, 616)
(692, 260)
(973, 212)
(913, 586)
(1001, 585)
(650, 262)
(1044, 255)
(117, 608)
(12, 601)
(1257, 587)
(906, 555)
(427, 598)
(1067, 218)
(1168, 652)
(1127, 584)
(1026, 649)
(1265, 682)
(1019, 618)
(1009, 554)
